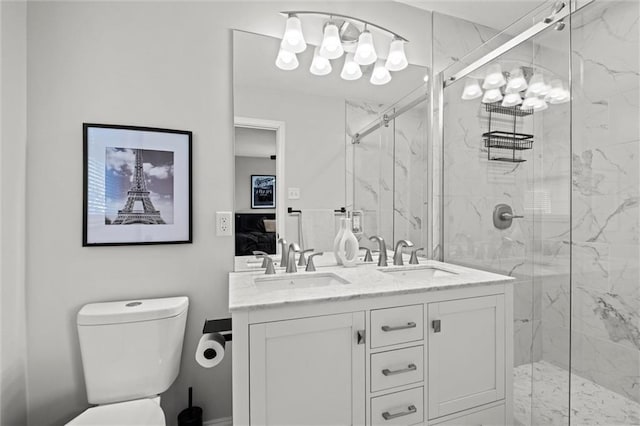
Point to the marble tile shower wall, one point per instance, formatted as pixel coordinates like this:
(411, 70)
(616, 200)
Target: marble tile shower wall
(605, 195)
(388, 173)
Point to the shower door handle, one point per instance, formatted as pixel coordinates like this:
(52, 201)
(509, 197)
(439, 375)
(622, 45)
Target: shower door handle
(509, 216)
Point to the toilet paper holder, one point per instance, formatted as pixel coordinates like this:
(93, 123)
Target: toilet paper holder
(222, 326)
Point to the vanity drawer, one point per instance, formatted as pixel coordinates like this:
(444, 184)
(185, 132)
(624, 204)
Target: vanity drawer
(400, 408)
(397, 368)
(396, 325)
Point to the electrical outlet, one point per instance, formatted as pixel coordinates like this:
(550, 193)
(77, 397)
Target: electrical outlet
(223, 224)
(294, 193)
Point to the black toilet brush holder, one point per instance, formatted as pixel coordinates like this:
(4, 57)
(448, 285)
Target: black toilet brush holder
(191, 416)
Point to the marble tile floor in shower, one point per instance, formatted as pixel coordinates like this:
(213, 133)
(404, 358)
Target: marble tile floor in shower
(591, 403)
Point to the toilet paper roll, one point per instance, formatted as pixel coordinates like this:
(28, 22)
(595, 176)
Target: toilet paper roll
(210, 350)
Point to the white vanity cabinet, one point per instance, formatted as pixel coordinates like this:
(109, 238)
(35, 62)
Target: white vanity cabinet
(308, 371)
(466, 353)
(441, 356)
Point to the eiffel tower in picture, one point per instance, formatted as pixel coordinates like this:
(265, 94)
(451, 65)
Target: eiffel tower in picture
(137, 197)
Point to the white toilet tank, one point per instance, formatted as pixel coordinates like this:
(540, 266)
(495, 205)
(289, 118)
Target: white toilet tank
(131, 349)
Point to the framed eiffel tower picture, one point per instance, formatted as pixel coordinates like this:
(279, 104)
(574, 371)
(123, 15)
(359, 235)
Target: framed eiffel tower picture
(137, 185)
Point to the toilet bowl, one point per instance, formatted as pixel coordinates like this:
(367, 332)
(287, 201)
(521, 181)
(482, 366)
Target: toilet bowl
(131, 353)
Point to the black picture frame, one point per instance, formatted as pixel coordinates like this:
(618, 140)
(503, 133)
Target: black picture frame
(263, 191)
(137, 185)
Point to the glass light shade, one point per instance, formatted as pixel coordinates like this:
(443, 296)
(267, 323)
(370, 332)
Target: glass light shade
(397, 60)
(561, 99)
(494, 78)
(286, 60)
(517, 82)
(536, 85)
(471, 90)
(319, 65)
(380, 74)
(331, 47)
(530, 102)
(351, 70)
(541, 105)
(556, 90)
(491, 96)
(293, 39)
(511, 99)
(366, 51)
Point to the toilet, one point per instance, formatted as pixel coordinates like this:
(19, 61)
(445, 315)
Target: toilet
(131, 354)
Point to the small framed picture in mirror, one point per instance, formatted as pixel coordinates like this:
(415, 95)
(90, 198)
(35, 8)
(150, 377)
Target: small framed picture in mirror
(263, 192)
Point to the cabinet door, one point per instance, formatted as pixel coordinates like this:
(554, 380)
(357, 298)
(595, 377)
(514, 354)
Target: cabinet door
(466, 353)
(308, 371)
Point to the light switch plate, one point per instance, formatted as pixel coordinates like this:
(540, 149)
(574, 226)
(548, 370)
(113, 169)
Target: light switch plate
(223, 224)
(294, 193)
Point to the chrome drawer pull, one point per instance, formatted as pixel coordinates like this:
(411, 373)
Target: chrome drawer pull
(410, 367)
(399, 327)
(410, 410)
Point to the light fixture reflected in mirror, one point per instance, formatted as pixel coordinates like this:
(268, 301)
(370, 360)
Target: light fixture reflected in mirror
(319, 65)
(494, 78)
(472, 89)
(511, 99)
(380, 74)
(492, 95)
(516, 82)
(530, 102)
(351, 70)
(286, 60)
(536, 85)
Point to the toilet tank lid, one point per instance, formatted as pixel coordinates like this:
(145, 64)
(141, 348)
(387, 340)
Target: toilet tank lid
(131, 310)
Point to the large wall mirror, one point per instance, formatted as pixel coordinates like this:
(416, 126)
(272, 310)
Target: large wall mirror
(298, 127)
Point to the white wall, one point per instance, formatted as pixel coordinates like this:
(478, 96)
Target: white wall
(13, 140)
(162, 64)
(245, 167)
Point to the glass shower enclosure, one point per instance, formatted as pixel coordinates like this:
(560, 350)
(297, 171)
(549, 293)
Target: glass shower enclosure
(540, 181)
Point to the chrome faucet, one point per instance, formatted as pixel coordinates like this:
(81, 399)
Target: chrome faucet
(397, 254)
(284, 250)
(291, 258)
(382, 257)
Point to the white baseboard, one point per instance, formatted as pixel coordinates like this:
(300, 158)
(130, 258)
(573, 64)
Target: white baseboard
(225, 421)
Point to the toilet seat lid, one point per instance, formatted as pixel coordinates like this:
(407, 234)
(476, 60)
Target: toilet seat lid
(140, 412)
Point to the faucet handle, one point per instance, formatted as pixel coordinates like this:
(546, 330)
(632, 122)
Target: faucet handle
(414, 256)
(261, 254)
(367, 254)
(310, 266)
(303, 261)
(269, 264)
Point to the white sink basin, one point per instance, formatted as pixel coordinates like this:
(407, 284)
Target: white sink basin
(417, 273)
(302, 281)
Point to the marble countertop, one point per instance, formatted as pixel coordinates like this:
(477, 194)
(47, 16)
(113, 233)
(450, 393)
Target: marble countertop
(364, 281)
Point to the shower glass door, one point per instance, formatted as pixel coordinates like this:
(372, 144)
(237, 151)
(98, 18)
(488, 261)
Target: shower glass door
(517, 159)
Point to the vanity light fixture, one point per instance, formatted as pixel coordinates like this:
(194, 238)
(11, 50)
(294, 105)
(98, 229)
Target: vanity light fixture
(366, 51)
(472, 89)
(293, 39)
(537, 85)
(286, 60)
(530, 102)
(397, 60)
(331, 47)
(319, 65)
(351, 70)
(343, 34)
(380, 74)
